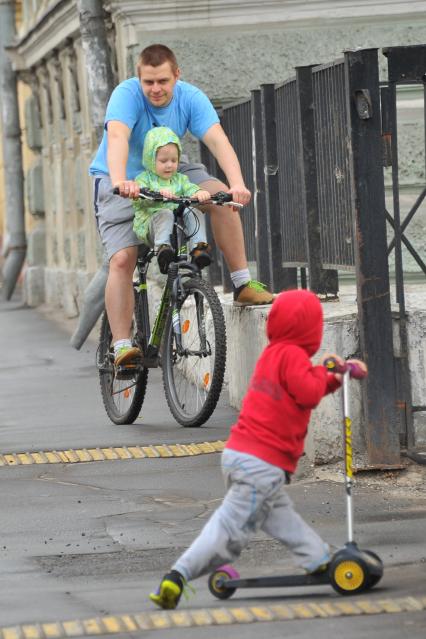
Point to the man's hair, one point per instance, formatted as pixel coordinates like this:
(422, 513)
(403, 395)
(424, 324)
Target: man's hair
(155, 55)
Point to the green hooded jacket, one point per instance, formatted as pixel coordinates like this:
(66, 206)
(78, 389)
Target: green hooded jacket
(177, 184)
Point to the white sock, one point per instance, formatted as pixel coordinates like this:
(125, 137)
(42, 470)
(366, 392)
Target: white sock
(121, 342)
(241, 277)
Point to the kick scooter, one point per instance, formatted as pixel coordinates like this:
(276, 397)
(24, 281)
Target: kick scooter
(351, 569)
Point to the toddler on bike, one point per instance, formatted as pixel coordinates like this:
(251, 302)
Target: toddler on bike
(263, 450)
(153, 222)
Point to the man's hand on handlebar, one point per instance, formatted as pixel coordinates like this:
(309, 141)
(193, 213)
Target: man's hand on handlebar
(128, 188)
(240, 194)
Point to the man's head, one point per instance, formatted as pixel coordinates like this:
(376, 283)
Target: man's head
(158, 73)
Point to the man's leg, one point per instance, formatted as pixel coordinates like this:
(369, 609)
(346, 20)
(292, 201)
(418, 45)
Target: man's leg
(119, 296)
(229, 237)
(227, 229)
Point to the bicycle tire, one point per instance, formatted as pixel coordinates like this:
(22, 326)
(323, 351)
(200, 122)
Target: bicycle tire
(122, 398)
(199, 376)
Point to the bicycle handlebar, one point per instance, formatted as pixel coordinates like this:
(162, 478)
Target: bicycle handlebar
(218, 198)
(355, 371)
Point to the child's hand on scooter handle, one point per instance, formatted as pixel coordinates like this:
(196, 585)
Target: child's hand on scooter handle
(334, 364)
(338, 366)
(358, 368)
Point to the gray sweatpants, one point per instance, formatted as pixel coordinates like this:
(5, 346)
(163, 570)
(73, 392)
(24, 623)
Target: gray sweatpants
(255, 499)
(161, 227)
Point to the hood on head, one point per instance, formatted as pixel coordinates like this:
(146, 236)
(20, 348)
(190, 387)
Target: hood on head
(296, 317)
(154, 139)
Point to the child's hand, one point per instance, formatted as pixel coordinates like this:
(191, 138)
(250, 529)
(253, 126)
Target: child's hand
(167, 193)
(337, 359)
(362, 368)
(202, 196)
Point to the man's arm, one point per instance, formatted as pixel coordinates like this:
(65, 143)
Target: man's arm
(218, 144)
(117, 154)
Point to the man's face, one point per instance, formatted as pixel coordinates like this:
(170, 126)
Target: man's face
(158, 83)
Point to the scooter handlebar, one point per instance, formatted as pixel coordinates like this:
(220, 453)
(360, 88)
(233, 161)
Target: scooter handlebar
(355, 371)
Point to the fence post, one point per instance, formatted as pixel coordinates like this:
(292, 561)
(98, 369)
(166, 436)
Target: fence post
(323, 281)
(373, 294)
(267, 202)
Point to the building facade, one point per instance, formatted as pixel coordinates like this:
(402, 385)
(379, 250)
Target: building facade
(226, 48)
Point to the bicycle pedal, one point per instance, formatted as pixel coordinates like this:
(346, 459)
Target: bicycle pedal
(126, 372)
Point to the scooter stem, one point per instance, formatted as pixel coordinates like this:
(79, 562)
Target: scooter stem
(347, 438)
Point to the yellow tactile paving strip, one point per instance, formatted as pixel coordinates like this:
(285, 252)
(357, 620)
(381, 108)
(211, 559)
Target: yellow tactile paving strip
(79, 455)
(114, 624)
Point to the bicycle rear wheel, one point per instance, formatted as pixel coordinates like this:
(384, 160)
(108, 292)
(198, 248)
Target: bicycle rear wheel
(193, 379)
(122, 397)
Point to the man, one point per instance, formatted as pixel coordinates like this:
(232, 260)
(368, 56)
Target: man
(159, 98)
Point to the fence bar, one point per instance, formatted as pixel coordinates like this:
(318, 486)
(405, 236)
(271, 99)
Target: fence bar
(373, 295)
(398, 58)
(263, 247)
(323, 281)
(281, 278)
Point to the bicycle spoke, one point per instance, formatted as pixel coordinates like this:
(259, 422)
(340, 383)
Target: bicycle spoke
(193, 377)
(122, 392)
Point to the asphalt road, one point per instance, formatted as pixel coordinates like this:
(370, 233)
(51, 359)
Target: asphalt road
(82, 541)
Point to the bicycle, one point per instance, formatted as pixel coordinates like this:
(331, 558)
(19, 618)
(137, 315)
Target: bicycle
(188, 339)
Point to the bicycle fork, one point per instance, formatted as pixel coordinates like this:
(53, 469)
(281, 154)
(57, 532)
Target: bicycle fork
(153, 348)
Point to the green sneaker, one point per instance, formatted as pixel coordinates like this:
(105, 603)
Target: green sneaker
(169, 591)
(127, 356)
(253, 293)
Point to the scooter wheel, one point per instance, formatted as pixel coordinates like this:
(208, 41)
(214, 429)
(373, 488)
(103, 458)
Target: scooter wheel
(374, 578)
(349, 575)
(217, 580)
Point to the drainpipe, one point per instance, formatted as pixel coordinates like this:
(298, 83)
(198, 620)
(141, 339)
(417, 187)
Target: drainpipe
(100, 85)
(16, 245)
(93, 305)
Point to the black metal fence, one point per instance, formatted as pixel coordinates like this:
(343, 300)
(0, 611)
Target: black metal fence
(312, 153)
(333, 165)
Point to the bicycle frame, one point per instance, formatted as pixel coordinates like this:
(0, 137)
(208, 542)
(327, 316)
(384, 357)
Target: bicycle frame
(172, 292)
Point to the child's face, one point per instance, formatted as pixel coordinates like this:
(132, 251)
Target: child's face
(166, 161)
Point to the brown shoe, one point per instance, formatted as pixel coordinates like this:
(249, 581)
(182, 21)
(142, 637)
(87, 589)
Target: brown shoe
(200, 255)
(127, 356)
(253, 293)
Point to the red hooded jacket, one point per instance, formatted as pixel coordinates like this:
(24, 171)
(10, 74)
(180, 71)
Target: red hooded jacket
(285, 386)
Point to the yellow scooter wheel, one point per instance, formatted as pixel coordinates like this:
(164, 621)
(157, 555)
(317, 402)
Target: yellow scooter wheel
(348, 576)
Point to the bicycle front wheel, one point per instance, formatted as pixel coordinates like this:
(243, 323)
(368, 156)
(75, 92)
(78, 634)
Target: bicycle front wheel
(122, 395)
(193, 377)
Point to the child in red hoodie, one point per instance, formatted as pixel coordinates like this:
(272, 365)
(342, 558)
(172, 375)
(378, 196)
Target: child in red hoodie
(263, 450)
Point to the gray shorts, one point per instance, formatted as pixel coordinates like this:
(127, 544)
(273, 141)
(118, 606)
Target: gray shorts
(114, 214)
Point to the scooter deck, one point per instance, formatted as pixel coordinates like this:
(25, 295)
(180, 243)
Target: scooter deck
(278, 581)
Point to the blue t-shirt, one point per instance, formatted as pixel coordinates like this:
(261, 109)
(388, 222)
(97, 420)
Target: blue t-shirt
(189, 110)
